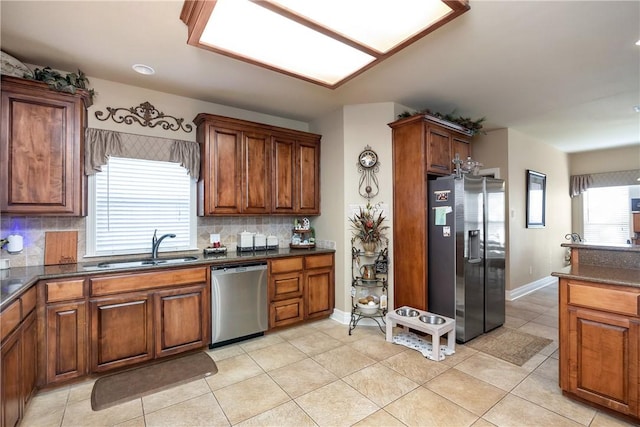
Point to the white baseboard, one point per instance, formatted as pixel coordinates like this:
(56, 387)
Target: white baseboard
(530, 287)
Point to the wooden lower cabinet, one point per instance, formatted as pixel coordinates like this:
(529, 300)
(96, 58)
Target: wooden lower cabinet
(11, 394)
(29, 357)
(300, 288)
(161, 321)
(18, 370)
(66, 348)
(181, 319)
(121, 331)
(599, 339)
(319, 286)
(286, 290)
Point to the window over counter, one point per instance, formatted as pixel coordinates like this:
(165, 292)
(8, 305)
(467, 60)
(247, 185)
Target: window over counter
(131, 198)
(607, 214)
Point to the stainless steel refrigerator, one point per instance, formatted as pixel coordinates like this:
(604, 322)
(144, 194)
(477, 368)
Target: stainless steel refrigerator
(467, 252)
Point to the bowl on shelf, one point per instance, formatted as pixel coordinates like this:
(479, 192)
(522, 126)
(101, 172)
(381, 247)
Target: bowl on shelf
(431, 319)
(407, 312)
(368, 308)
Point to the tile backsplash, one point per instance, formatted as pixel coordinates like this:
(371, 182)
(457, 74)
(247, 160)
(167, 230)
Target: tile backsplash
(33, 231)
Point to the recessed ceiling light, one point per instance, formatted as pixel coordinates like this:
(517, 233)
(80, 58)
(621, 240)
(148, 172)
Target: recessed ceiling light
(317, 41)
(638, 43)
(143, 69)
(636, 108)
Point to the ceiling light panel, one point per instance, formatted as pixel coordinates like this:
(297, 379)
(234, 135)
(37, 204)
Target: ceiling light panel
(327, 42)
(378, 24)
(280, 42)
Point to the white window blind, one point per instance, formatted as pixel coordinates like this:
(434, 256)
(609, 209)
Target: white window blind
(607, 214)
(132, 198)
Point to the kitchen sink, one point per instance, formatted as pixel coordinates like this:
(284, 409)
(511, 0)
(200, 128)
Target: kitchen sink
(143, 262)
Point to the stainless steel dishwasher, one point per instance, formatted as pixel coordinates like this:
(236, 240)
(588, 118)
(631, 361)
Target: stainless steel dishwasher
(238, 303)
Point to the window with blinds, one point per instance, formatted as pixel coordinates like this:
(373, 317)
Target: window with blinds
(607, 214)
(131, 198)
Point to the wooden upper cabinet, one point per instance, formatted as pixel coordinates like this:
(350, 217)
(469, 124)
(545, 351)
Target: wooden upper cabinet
(308, 178)
(42, 149)
(252, 168)
(462, 147)
(284, 161)
(438, 151)
(256, 158)
(220, 179)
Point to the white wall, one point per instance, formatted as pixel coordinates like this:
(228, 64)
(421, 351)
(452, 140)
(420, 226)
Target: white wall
(117, 95)
(364, 124)
(328, 226)
(532, 253)
(535, 252)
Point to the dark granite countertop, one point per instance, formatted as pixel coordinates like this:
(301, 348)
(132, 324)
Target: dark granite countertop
(621, 248)
(596, 273)
(16, 280)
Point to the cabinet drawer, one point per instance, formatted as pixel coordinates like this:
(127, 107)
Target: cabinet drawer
(284, 286)
(318, 261)
(286, 312)
(140, 281)
(620, 300)
(9, 319)
(64, 290)
(284, 265)
(28, 301)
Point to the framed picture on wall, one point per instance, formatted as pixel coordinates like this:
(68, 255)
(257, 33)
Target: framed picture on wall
(536, 199)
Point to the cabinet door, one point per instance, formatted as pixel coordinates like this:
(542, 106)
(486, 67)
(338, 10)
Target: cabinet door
(41, 143)
(319, 292)
(29, 359)
(286, 312)
(284, 161)
(256, 182)
(66, 341)
(308, 178)
(603, 359)
(11, 404)
(182, 319)
(221, 176)
(121, 331)
(462, 148)
(438, 151)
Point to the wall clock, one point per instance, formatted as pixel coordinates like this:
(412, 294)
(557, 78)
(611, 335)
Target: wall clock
(368, 158)
(368, 166)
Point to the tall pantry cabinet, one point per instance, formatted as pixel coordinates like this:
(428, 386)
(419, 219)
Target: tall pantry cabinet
(42, 149)
(423, 148)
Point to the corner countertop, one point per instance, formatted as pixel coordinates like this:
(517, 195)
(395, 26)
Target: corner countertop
(621, 248)
(16, 280)
(596, 273)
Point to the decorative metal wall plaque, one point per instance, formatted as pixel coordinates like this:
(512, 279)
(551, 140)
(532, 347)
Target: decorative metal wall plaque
(145, 115)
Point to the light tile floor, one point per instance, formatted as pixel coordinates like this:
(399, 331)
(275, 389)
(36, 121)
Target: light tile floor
(318, 375)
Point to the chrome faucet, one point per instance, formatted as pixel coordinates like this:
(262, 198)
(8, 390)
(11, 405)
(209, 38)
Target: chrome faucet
(155, 243)
(574, 237)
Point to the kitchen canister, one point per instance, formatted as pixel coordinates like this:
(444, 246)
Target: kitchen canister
(272, 242)
(15, 244)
